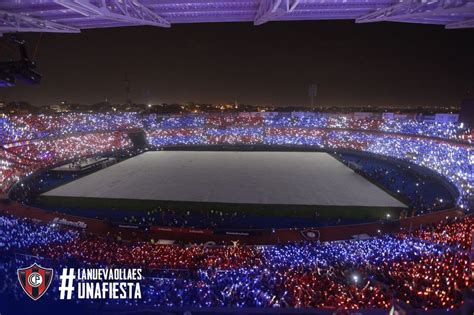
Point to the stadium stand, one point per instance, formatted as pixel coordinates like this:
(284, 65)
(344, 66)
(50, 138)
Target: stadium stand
(425, 266)
(428, 268)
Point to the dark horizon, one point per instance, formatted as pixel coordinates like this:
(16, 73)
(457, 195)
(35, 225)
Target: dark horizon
(380, 64)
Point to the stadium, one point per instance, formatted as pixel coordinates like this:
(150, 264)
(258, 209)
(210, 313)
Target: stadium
(128, 176)
(262, 205)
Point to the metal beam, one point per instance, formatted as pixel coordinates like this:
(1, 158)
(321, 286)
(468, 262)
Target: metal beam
(13, 22)
(420, 9)
(129, 11)
(270, 9)
(384, 13)
(461, 24)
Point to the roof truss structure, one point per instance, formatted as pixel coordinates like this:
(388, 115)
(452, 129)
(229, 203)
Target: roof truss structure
(445, 12)
(271, 9)
(12, 23)
(128, 11)
(72, 15)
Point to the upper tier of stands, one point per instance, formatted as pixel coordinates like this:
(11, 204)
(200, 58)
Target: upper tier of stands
(19, 128)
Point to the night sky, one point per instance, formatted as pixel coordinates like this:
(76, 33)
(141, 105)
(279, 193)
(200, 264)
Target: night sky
(273, 64)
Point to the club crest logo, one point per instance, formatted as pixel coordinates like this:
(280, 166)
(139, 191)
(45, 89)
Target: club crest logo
(35, 280)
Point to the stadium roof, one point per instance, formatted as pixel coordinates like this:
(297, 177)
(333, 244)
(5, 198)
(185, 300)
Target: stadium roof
(70, 16)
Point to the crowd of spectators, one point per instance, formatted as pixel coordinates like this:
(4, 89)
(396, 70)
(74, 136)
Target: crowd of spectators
(455, 234)
(19, 233)
(20, 128)
(211, 219)
(50, 152)
(314, 120)
(34, 142)
(151, 256)
(422, 191)
(427, 268)
(22, 159)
